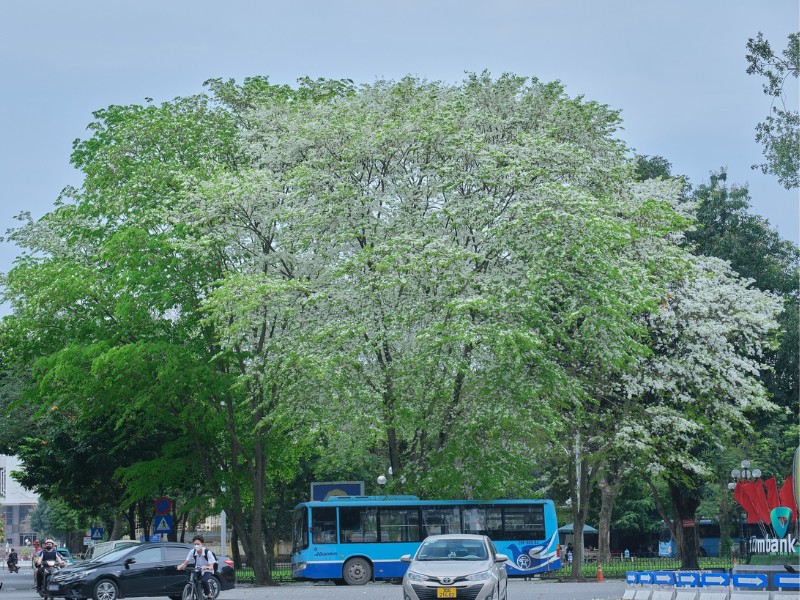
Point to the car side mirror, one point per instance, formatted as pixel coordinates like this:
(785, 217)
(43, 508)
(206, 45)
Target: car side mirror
(500, 558)
(129, 562)
(405, 558)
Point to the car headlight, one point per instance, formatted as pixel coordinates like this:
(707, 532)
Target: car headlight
(82, 574)
(413, 576)
(482, 576)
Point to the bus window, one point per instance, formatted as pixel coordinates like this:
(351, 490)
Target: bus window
(358, 524)
(399, 524)
(323, 525)
(524, 522)
(482, 520)
(438, 520)
(300, 529)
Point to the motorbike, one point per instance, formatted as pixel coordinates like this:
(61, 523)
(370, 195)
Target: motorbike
(13, 567)
(49, 568)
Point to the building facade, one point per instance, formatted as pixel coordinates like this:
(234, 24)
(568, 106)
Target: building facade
(16, 505)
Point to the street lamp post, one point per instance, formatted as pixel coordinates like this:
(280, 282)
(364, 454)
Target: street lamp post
(745, 475)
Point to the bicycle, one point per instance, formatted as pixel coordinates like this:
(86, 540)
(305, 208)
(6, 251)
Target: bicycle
(193, 590)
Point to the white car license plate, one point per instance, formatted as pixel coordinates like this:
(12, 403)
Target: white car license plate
(53, 587)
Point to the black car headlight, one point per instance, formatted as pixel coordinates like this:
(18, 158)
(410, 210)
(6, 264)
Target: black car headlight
(73, 576)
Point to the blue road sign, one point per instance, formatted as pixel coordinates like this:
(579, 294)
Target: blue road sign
(688, 579)
(163, 524)
(715, 579)
(631, 577)
(750, 580)
(97, 533)
(664, 578)
(787, 580)
(645, 577)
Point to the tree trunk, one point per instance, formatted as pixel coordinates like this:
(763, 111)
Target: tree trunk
(608, 494)
(684, 506)
(580, 476)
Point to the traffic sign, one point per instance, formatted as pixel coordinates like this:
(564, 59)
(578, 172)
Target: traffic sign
(645, 577)
(664, 578)
(714, 579)
(750, 580)
(162, 506)
(97, 533)
(688, 579)
(163, 524)
(787, 580)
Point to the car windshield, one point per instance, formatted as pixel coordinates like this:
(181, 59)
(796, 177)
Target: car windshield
(452, 550)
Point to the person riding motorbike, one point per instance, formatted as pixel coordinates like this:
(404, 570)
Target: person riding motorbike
(13, 559)
(48, 553)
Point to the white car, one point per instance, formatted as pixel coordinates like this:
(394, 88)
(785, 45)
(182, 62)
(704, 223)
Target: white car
(456, 566)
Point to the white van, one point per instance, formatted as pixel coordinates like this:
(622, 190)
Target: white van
(99, 548)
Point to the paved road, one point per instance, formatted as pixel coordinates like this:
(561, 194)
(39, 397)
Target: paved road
(18, 586)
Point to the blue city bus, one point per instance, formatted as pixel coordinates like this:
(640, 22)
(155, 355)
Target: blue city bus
(354, 539)
(708, 532)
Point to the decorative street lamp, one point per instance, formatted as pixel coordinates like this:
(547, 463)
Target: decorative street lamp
(743, 476)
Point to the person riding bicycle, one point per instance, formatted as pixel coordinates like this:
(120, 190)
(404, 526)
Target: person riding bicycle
(48, 553)
(13, 559)
(204, 561)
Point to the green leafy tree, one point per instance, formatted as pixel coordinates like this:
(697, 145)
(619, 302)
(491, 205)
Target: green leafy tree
(779, 133)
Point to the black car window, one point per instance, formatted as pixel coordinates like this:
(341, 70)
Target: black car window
(112, 556)
(149, 555)
(175, 554)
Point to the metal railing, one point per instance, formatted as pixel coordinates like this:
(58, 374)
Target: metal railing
(616, 567)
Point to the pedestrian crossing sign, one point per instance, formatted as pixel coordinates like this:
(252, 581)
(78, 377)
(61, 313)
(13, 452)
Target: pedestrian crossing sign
(163, 524)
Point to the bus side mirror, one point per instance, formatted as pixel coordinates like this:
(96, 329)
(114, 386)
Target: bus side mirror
(405, 558)
(500, 558)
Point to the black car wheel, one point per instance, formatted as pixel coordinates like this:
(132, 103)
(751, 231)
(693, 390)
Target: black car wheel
(357, 571)
(105, 589)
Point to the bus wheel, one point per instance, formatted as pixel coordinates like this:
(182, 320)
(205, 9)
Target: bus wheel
(357, 571)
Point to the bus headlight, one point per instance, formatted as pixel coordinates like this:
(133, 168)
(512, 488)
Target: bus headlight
(300, 567)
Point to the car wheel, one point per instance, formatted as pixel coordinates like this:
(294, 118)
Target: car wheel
(105, 589)
(213, 583)
(357, 571)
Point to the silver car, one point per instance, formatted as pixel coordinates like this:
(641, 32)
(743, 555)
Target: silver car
(457, 566)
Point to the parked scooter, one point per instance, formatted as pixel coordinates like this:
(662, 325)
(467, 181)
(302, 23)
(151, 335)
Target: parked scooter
(12, 561)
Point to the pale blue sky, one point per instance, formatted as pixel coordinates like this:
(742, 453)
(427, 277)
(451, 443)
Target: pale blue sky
(675, 68)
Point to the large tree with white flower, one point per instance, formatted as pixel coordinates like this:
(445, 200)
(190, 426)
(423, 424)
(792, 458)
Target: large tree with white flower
(700, 388)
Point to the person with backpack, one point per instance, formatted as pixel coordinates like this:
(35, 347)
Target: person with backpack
(204, 561)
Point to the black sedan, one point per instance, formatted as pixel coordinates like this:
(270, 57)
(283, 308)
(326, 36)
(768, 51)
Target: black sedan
(133, 571)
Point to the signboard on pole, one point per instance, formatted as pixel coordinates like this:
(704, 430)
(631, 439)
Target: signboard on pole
(163, 524)
(162, 506)
(325, 489)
